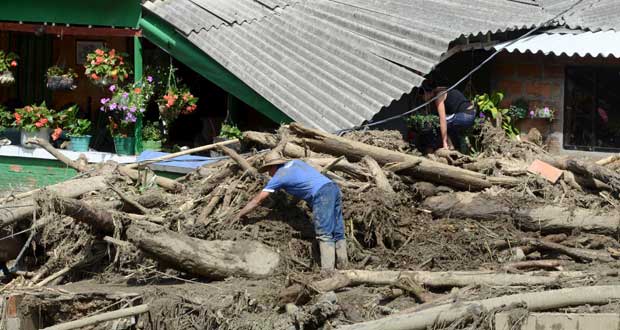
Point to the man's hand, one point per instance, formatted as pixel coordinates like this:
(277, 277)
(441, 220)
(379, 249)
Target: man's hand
(252, 205)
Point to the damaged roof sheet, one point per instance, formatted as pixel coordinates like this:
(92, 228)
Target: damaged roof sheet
(594, 44)
(333, 64)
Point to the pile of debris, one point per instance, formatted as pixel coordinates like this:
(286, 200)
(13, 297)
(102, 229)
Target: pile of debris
(438, 241)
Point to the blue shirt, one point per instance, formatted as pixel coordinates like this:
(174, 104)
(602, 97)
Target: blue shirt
(298, 179)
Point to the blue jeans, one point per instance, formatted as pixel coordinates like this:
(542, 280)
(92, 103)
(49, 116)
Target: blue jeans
(327, 213)
(460, 122)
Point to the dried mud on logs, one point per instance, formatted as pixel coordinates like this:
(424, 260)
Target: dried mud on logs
(412, 237)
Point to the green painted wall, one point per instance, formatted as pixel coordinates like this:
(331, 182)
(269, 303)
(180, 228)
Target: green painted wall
(17, 173)
(121, 13)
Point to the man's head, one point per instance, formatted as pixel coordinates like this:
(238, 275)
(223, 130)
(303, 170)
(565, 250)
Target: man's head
(428, 87)
(271, 162)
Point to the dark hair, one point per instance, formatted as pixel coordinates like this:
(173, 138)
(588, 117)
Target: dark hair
(428, 86)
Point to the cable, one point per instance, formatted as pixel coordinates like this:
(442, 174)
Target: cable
(469, 74)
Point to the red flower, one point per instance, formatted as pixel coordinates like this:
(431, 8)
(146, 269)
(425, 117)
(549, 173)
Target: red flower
(112, 53)
(99, 52)
(138, 90)
(98, 60)
(18, 118)
(56, 134)
(13, 63)
(126, 75)
(94, 76)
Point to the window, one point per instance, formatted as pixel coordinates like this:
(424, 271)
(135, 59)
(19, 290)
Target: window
(592, 109)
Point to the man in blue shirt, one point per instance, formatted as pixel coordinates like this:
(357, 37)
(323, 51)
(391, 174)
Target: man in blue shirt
(304, 182)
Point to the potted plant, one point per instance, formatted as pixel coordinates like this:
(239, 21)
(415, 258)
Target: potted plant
(177, 101)
(124, 108)
(151, 136)
(59, 79)
(79, 130)
(106, 67)
(7, 131)
(8, 61)
(34, 121)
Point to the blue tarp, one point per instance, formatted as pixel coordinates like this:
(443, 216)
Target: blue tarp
(188, 161)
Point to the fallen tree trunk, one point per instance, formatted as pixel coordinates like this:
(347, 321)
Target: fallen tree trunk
(534, 264)
(243, 163)
(377, 173)
(578, 254)
(427, 169)
(211, 259)
(535, 301)
(100, 318)
(546, 218)
(429, 279)
(24, 208)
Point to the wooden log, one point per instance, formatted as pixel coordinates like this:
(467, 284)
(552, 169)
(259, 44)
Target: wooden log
(242, 162)
(431, 279)
(402, 166)
(427, 169)
(165, 183)
(182, 153)
(354, 170)
(130, 201)
(608, 160)
(291, 149)
(206, 212)
(544, 218)
(547, 264)
(24, 208)
(100, 318)
(535, 301)
(575, 253)
(76, 165)
(210, 259)
(590, 170)
(377, 173)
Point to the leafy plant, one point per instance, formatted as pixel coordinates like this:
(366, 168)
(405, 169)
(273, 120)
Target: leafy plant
(518, 109)
(6, 118)
(79, 127)
(423, 123)
(230, 131)
(176, 101)
(56, 71)
(105, 67)
(151, 132)
(543, 112)
(126, 105)
(489, 106)
(7, 61)
(33, 117)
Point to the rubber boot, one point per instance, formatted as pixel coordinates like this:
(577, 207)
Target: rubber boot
(342, 259)
(328, 256)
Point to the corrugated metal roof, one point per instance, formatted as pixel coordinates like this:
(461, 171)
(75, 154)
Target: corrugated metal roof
(197, 15)
(592, 15)
(595, 44)
(333, 64)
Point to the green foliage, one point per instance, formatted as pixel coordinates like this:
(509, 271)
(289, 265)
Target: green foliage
(518, 109)
(7, 61)
(6, 118)
(151, 132)
(105, 67)
(56, 71)
(33, 117)
(79, 127)
(489, 106)
(423, 123)
(230, 131)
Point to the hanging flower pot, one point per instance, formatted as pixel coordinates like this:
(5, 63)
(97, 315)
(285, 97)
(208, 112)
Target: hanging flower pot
(105, 68)
(7, 62)
(59, 80)
(7, 78)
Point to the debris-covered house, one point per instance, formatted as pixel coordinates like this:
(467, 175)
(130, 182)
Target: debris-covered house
(336, 64)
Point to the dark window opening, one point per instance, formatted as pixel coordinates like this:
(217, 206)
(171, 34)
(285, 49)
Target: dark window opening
(592, 109)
